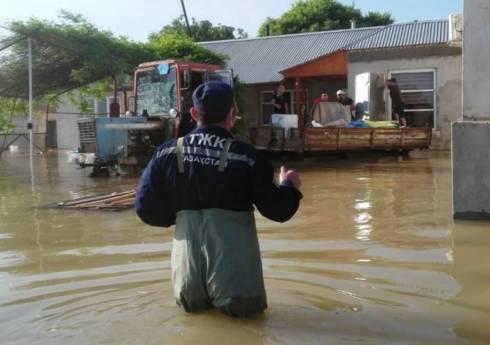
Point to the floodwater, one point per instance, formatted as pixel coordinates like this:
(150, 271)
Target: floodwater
(372, 257)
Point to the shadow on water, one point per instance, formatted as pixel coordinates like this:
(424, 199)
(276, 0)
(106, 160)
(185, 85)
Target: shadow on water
(373, 256)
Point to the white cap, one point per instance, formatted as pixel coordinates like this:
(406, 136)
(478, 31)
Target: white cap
(340, 92)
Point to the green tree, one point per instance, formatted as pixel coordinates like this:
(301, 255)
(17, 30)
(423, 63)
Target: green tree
(321, 15)
(202, 30)
(8, 110)
(66, 55)
(374, 19)
(176, 46)
(240, 127)
(73, 53)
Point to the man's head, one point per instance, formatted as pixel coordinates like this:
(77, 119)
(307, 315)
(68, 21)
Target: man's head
(281, 89)
(213, 103)
(340, 94)
(324, 97)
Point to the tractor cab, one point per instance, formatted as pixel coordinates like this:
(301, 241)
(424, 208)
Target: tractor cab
(163, 89)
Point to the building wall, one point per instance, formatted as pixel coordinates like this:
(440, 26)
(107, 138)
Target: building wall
(476, 55)
(448, 74)
(471, 137)
(66, 127)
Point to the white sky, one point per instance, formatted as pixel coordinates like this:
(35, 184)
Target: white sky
(137, 19)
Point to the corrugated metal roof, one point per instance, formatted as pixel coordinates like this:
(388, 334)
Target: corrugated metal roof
(259, 60)
(405, 35)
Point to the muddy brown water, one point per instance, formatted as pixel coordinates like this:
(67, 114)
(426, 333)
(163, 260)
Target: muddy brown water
(372, 257)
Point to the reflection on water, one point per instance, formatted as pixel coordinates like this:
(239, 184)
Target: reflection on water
(373, 257)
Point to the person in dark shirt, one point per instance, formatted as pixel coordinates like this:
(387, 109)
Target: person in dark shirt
(347, 101)
(208, 185)
(342, 98)
(280, 101)
(397, 105)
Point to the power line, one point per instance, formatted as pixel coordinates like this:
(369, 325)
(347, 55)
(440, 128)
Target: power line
(16, 41)
(11, 44)
(6, 28)
(10, 29)
(189, 32)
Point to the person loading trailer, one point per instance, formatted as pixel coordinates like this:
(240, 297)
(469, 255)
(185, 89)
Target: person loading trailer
(280, 100)
(207, 184)
(343, 99)
(397, 105)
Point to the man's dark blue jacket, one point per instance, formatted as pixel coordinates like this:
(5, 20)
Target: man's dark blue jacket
(248, 180)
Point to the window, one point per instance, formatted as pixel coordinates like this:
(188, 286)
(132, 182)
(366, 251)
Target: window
(90, 105)
(267, 109)
(156, 92)
(100, 106)
(418, 93)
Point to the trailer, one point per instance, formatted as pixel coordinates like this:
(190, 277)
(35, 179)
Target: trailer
(362, 139)
(329, 140)
(326, 130)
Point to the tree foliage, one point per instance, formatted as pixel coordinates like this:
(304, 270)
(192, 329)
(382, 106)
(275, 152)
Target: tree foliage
(9, 108)
(239, 92)
(66, 55)
(73, 53)
(202, 30)
(321, 15)
(173, 45)
(84, 96)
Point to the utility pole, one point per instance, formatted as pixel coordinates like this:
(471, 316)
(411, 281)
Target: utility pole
(29, 124)
(29, 71)
(189, 32)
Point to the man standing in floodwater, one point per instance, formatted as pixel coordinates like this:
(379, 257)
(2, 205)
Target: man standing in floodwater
(207, 184)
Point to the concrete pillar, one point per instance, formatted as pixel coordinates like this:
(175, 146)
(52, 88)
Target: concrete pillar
(476, 60)
(471, 137)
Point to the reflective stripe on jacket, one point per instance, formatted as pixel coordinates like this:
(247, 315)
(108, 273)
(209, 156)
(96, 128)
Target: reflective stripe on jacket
(247, 181)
